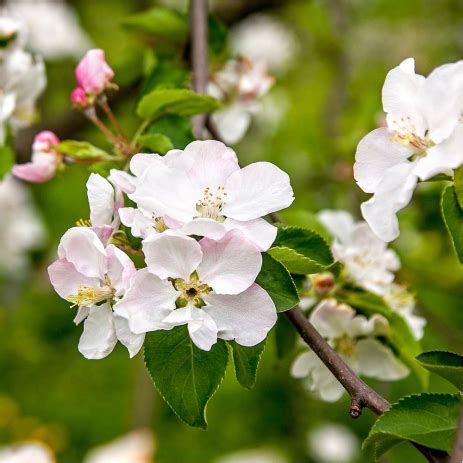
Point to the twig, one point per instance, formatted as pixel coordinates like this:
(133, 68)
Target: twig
(457, 454)
(103, 101)
(198, 27)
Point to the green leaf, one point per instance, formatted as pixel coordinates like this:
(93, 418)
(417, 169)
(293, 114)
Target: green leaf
(177, 129)
(160, 22)
(246, 361)
(286, 337)
(180, 101)
(453, 219)
(7, 159)
(446, 364)
(458, 185)
(81, 150)
(169, 72)
(426, 419)
(186, 376)
(277, 281)
(217, 35)
(400, 337)
(301, 250)
(157, 142)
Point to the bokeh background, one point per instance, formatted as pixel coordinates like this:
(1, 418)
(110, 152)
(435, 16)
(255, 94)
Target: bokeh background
(326, 97)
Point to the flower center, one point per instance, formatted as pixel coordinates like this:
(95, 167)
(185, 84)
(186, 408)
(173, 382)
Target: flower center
(88, 297)
(345, 345)
(408, 137)
(191, 291)
(212, 204)
(159, 225)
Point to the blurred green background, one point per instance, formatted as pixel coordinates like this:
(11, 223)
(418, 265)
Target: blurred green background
(332, 97)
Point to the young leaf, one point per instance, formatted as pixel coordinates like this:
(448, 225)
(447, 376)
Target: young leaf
(177, 129)
(81, 150)
(453, 219)
(186, 376)
(458, 185)
(6, 160)
(180, 101)
(156, 142)
(160, 22)
(277, 281)
(246, 361)
(446, 364)
(285, 337)
(426, 419)
(301, 250)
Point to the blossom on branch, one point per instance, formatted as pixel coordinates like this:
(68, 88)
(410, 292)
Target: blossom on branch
(93, 73)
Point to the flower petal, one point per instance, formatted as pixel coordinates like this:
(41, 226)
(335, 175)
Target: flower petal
(36, 172)
(246, 317)
(302, 365)
(101, 200)
(122, 180)
(258, 231)
(205, 227)
(99, 336)
(141, 225)
(147, 302)
(132, 341)
(231, 265)
(168, 255)
(232, 122)
(120, 269)
(339, 224)
(332, 319)
(257, 190)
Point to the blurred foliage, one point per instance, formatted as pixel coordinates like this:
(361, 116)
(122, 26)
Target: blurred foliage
(332, 98)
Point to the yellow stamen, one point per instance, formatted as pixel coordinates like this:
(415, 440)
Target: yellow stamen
(88, 297)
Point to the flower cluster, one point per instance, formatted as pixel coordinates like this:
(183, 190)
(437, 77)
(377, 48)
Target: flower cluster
(200, 219)
(422, 139)
(22, 79)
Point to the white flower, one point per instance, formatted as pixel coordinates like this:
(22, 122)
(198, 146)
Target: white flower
(239, 84)
(366, 258)
(354, 338)
(209, 194)
(93, 278)
(263, 38)
(22, 80)
(253, 456)
(333, 443)
(26, 453)
(52, 28)
(213, 283)
(135, 447)
(423, 139)
(21, 229)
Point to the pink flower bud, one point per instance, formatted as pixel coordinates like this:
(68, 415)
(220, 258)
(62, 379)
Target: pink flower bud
(79, 98)
(45, 160)
(93, 73)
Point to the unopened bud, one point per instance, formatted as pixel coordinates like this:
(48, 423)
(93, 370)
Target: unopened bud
(323, 283)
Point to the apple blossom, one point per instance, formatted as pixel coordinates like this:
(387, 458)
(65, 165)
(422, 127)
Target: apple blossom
(239, 84)
(94, 278)
(354, 337)
(93, 73)
(214, 288)
(204, 190)
(26, 453)
(45, 159)
(79, 98)
(10, 29)
(423, 139)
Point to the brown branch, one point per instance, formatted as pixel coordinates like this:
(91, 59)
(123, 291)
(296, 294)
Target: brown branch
(457, 454)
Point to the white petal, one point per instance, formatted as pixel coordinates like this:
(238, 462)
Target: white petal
(232, 122)
(392, 194)
(376, 154)
(246, 317)
(231, 265)
(123, 180)
(332, 319)
(378, 361)
(141, 225)
(339, 224)
(120, 269)
(261, 233)
(66, 279)
(205, 227)
(82, 247)
(99, 336)
(132, 341)
(173, 256)
(257, 190)
(101, 200)
(147, 302)
(302, 365)
(82, 314)
(142, 161)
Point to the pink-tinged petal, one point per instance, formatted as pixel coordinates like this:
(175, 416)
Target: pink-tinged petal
(82, 247)
(204, 227)
(168, 191)
(99, 336)
(392, 194)
(79, 98)
(147, 302)
(121, 269)
(122, 180)
(132, 341)
(93, 73)
(212, 163)
(35, 173)
(141, 161)
(257, 190)
(376, 154)
(231, 265)
(82, 314)
(261, 233)
(246, 317)
(201, 327)
(45, 141)
(100, 195)
(168, 255)
(104, 233)
(66, 279)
